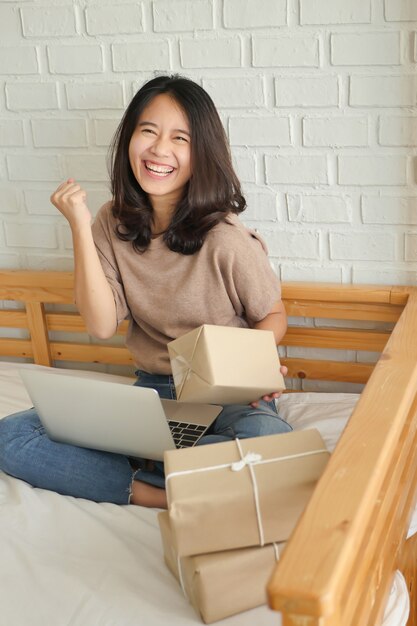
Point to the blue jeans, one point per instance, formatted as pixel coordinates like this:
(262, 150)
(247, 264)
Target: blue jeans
(27, 452)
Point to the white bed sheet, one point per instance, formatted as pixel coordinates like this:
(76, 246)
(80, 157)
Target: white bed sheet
(70, 562)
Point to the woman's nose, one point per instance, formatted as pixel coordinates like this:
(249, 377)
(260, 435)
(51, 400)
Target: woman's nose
(160, 146)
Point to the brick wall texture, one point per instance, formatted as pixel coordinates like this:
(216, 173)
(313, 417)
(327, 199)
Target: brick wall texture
(318, 99)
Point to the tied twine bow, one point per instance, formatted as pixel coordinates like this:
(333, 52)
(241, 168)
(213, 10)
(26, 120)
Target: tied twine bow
(248, 459)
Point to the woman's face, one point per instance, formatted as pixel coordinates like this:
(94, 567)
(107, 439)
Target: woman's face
(160, 151)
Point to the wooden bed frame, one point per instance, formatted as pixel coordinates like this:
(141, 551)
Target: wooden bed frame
(338, 565)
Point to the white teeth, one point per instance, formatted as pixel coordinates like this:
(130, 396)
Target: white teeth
(159, 169)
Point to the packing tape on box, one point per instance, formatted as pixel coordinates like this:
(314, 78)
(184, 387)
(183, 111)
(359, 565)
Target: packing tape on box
(249, 460)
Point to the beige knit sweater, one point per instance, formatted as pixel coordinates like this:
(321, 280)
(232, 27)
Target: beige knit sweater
(165, 294)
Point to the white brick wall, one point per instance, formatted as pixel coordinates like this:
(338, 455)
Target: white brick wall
(210, 52)
(114, 20)
(319, 100)
(246, 15)
(335, 131)
(24, 96)
(321, 90)
(285, 51)
(48, 21)
(323, 12)
(182, 15)
(365, 48)
(75, 59)
(60, 133)
(259, 131)
(11, 133)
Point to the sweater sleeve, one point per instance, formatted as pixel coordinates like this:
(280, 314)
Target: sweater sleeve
(103, 234)
(248, 275)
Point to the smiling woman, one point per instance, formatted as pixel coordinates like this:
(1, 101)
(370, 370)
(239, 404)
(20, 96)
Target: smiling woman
(169, 254)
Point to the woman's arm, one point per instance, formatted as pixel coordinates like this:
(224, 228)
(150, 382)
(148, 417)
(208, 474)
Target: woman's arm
(93, 294)
(276, 320)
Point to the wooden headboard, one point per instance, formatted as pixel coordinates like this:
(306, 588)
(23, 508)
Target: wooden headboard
(345, 305)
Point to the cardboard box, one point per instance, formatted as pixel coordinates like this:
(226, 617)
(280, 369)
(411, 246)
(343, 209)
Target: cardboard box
(225, 365)
(222, 583)
(218, 502)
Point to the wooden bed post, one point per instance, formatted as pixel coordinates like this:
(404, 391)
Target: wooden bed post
(38, 329)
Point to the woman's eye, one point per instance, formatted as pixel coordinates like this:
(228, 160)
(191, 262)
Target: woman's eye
(179, 138)
(148, 131)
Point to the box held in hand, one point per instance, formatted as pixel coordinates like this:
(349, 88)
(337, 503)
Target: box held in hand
(225, 365)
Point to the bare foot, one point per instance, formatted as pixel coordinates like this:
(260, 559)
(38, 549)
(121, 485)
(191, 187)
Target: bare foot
(148, 495)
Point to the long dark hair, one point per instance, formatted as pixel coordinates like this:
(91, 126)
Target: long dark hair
(213, 190)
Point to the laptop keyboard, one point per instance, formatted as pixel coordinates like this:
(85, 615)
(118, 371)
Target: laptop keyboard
(185, 435)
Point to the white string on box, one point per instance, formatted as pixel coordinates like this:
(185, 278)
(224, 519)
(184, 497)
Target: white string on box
(248, 461)
(181, 577)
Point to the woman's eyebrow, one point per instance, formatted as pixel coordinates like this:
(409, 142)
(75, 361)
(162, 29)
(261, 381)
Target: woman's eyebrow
(145, 123)
(176, 130)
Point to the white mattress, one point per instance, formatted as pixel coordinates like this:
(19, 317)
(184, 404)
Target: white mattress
(70, 562)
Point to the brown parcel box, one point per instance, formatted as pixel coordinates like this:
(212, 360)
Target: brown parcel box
(225, 365)
(218, 502)
(222, 583)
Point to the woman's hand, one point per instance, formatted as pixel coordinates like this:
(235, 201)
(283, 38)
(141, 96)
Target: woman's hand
(272, 396)
(70, 199)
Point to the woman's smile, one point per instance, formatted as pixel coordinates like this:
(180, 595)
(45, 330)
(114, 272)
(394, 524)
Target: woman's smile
(158, 169)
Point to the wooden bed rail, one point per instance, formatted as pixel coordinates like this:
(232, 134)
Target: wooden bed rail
(338, 565)
(349, 304)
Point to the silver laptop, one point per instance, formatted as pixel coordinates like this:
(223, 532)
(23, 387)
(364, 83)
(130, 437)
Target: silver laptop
(115, 417)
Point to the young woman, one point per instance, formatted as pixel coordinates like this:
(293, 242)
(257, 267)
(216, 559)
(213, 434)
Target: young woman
(169, 254)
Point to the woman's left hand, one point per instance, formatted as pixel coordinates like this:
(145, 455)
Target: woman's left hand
(271, 396)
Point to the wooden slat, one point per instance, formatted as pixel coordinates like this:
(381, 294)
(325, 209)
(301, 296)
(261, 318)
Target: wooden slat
(66, 322)
(13, 318)
(345, 371)
(343, 311)
(341, 339)
(73, 323)
(34, 279)
(36, 294)
(38, 333)
(16, 348)
(90, 353)
(318, 562)
(336, 293)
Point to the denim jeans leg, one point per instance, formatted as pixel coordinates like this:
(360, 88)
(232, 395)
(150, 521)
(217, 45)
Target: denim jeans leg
(164, 384)
(243, 421)
(26, 452)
